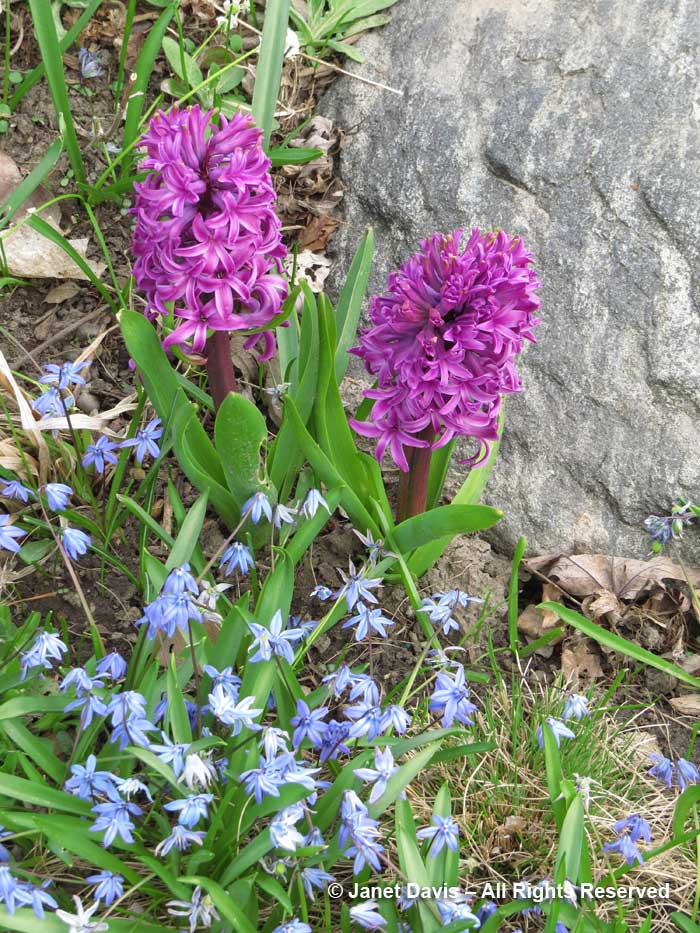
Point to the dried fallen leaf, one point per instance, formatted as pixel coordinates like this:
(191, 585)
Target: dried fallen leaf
(687, 705)
(317, 233)
(592, 574)
(62, 292)
(580, 663)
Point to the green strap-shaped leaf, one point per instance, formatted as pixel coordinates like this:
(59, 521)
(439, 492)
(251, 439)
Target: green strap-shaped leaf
(443, 522)
(349, 305)
(239, 433)
(269, 67)
(617, 643)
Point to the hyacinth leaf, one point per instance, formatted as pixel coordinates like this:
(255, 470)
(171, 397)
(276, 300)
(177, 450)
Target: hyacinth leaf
(144, 72)
(617, 643)
(327, 472)
(202, 465)
(469, 493)
(269, 68)
(225, 904)
(447, 520)
(239, 433)
(153, 366)
(331, 424)
(49, 46)
(46, 230)
(349, 306)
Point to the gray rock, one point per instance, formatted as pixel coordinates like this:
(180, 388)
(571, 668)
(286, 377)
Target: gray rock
(575, 124)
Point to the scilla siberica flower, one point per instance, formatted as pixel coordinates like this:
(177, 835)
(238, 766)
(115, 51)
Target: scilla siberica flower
(207, 240)
(442, 342)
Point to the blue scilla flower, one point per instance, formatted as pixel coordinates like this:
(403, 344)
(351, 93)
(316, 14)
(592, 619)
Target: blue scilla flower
(51, 404)
(451, 698)
(444, 831)
(558, 729)
(237, 557)
(356, 586)
(257, 506)
(686, 773)
(9, 535)
(112, 665)
(88, 783)
(276, 640)
(367, 619)
(10, 891)
(200, 910)
(110, 886)
(576, 707)
(283, 831)
(308, 724)
(13, 489)
(190, 809)
(170, 753)
(367, 915)
(180, 580)
(145, 440)
(114, 817)
(63, 375)
(636, 828)
(181, 839)
(315, 879)
(57, 496)
(75, 542)
(169, 612)
(662, 769)
(232, 711)
(293, 926)
(37, 897)
(47, 647)
(625, 847)
(313, 501)
(89, 64)
(324, 593)
(378, 776)
(100, 454)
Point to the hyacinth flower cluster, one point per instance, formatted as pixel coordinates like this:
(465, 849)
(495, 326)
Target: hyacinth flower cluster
(207, 239)
(442, 346)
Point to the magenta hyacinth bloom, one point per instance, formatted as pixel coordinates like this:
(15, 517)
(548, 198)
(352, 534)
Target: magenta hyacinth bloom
(442, 343)
(207, 239)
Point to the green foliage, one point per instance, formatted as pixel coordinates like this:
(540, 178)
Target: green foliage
(330, 23)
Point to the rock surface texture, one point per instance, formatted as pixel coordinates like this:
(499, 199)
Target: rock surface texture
(575, 123)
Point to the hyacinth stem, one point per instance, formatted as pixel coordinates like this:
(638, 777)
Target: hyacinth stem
(222, 378)
(413, 486)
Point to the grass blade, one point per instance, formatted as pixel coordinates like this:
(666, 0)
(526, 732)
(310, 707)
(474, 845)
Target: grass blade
(513, 596)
